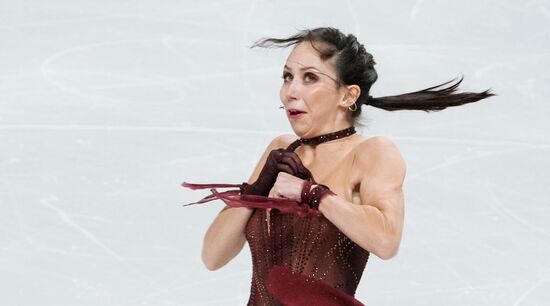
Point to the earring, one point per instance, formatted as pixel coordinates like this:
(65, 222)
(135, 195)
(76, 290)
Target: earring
(354, 107)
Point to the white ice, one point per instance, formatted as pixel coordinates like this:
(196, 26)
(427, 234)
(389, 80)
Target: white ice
(107, 106)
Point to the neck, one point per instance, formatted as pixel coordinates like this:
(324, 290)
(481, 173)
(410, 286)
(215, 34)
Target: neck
(329, 136)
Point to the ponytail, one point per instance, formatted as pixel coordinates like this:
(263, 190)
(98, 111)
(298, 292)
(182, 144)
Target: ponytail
(434, 98)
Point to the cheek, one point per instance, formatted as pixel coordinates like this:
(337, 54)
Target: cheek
(317, 96)
(321, 100)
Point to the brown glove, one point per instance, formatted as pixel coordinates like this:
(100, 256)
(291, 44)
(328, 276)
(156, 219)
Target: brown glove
(279, 160)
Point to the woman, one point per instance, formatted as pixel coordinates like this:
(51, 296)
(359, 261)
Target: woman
(333, 197)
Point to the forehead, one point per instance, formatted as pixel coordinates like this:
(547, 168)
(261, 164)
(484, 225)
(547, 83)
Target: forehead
(304, 55)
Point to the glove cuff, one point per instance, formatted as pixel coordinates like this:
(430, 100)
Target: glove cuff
(313, 198)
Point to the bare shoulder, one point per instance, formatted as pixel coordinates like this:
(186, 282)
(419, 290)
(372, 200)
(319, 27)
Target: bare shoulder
(380, 152)
(282, 141)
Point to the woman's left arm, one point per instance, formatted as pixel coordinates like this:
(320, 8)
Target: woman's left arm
(377, 224)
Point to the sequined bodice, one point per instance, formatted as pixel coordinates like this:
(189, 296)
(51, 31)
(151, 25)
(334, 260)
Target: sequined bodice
(312, 246)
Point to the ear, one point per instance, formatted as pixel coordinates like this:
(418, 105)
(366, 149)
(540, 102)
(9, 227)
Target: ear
(352, 94)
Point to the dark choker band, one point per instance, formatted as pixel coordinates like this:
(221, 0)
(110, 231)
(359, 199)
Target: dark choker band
(322, 138)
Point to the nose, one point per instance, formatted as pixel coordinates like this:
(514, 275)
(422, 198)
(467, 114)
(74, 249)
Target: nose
(291, 91)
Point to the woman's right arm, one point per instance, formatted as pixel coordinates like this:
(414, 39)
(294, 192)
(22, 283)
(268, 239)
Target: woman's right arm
(225, 237)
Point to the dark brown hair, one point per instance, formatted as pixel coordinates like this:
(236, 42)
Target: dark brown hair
(355, 66)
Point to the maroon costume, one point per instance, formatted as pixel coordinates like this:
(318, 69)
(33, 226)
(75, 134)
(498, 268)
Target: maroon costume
(298, 256)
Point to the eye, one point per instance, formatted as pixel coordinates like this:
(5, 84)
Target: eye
(287, 77)
(310, 77)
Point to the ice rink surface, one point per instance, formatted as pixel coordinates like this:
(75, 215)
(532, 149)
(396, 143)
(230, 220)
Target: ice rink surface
(107, 106)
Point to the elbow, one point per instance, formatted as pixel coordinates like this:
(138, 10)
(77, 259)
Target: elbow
(210, 264)
(215, 256)
(387, 254)
(388, 250)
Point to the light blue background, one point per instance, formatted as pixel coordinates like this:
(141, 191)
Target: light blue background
(107, 106)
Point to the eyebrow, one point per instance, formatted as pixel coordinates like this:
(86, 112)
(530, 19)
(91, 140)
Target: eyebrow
(314, 68)
(305, 68)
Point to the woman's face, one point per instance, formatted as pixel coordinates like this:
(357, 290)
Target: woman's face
(310, 88)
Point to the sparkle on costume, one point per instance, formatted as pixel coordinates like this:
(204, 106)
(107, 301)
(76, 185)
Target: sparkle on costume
(311, 246)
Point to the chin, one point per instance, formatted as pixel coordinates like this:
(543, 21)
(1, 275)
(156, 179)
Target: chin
(299, 129)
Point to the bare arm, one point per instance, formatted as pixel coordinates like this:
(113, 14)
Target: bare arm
(225, 237)
(377, 224)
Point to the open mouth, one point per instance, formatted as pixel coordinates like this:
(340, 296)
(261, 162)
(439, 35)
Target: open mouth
(295, 112)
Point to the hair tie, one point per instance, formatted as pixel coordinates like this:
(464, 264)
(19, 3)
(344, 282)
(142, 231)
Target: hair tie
(368, 100)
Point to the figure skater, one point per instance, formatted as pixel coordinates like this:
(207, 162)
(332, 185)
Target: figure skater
(321, 200)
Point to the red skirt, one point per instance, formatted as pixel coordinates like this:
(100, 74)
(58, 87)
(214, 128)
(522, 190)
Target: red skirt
(294, 289)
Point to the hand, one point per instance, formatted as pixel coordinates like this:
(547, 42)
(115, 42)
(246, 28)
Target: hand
(278, 161)
(287, 186)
